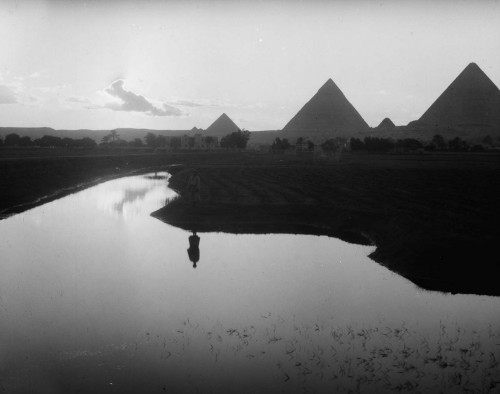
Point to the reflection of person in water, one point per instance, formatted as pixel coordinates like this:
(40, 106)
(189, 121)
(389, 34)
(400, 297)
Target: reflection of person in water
(194, 249)
(194, 186)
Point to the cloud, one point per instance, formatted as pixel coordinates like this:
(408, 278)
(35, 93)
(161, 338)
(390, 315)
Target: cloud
(129, 101)
(187, 103)
(7, 96)
(79, 100)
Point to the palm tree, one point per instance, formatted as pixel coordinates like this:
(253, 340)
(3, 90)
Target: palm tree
(114, 135)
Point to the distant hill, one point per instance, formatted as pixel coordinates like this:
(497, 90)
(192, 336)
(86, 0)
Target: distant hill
(127, 134)
(131, 134)
(328, 114)
(222, 126)
(38, 132)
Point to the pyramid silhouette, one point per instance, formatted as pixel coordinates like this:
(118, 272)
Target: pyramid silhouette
(472, 101)
(222, 126)
(386, 124)
(328, 113)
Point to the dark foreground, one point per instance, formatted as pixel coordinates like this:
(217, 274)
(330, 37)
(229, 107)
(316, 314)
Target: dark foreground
(434, 219)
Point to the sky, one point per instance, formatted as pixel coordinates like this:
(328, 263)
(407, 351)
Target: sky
(181, 64)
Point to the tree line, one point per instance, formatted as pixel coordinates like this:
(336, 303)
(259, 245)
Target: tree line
(14, 139)
(235, 140)
(239, 140)
(438, 143)
(376, 144)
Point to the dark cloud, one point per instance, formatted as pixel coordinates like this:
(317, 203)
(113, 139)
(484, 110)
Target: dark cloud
(135, 102)
(7, 96)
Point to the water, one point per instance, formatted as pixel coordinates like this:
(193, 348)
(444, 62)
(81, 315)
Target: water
(98, 296)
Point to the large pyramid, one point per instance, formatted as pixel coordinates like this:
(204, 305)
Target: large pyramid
(471, 102)
(327, 113)
(222, 126)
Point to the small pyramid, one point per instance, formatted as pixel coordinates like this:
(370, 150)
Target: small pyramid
(386, 124)
(222, 126)
(471, 101)
(328, 113)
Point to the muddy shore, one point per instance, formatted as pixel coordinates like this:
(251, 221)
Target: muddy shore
(434, 220)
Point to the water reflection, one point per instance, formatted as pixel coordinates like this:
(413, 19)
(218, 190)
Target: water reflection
(87, 290)
(132, 196)
(194, 249)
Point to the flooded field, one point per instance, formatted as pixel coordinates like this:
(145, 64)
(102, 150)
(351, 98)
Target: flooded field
(98, 296)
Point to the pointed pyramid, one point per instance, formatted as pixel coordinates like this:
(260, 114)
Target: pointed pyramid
(471, 101)
(222, 126)
(328, 113)
(386, 124)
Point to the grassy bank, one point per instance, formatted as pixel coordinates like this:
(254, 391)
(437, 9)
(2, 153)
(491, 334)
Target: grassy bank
(433, 218)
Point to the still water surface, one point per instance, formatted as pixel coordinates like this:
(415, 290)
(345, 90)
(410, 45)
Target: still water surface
(98, 296)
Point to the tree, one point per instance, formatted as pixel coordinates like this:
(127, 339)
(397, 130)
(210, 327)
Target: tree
(439, 142)
(488, 140)
(330, 146)
(12, 139)
(357, 145)
(333, 145)
(106, 139)
(87, 142)
(25, 141)
(161, 141)
(457, 144)
(410, 144)
(209, 140)
(137, 142)
(299, 144)
(237, 139)
(69, 142)
(50, 141)
(114, 135)
(310, 145)
(374, 144)
(280, 145)
(150, 139)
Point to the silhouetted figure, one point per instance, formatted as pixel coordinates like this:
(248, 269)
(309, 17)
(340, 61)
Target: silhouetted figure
(194, 187)
(194, 249)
